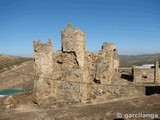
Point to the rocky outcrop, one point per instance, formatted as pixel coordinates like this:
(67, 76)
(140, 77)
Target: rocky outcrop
(10, 103)
(10, 100)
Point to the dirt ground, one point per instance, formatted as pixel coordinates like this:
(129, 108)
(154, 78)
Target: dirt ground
(128, 109)
(139, 108)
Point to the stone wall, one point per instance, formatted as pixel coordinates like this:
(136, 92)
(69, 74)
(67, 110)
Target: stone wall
(43, 64)
(143, 75)
(67, 76)
(157, 71)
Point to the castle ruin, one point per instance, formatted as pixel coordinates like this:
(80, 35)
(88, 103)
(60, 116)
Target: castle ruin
(75, 75)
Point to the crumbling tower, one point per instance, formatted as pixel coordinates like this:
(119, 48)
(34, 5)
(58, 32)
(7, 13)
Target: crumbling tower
(43, 57)
(111, 53)
(107, 63)
(73, 41)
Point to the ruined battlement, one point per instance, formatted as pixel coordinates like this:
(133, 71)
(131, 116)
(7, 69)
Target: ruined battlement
(109, 47)
(42, 50)
(70, 30)
(72, 38)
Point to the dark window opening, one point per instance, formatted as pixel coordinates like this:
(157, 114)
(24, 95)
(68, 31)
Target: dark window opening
(114, 50)
(97, 81)
(35, 102)
(144, 75)
(127, 77)
(102, 46)
(59, 62)
(150, 90)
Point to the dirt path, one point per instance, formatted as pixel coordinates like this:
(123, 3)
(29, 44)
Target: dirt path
(105, 111)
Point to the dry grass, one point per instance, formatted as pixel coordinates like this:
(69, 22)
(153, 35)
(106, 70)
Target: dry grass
(128, 60)
(7, 62)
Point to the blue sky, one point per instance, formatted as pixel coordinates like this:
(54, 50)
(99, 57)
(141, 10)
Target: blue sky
(133, 25)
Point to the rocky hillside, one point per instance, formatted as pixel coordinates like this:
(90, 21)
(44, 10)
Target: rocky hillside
(8, 61)
(16, 72)
(18, 77)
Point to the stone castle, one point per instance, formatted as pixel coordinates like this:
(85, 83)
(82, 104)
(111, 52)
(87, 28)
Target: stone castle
(68, 75)
(75, 75)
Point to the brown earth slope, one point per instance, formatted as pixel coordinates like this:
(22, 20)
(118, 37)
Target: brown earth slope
(9, 61)
(26, 110)
(18, 77)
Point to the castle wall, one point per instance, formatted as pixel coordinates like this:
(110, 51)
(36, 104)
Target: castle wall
(157, 71)
(43, 57)
(143, 75)
(67, 76)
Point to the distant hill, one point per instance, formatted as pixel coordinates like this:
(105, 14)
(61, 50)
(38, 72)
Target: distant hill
(16, 72)
(8, 61)
(131, 60)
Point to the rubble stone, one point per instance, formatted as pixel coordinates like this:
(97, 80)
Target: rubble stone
(10, 101)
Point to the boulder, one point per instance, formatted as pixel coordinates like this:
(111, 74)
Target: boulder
(10, 101)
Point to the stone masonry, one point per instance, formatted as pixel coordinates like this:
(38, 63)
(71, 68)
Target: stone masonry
(73, 75)
(157, 71)
(73, 40)
(143, 74)
(43, 57)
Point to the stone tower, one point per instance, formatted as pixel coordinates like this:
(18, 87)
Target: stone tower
(73, 41)
(157, 75)
(43, 57)
(112, 54)
(107, 63)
